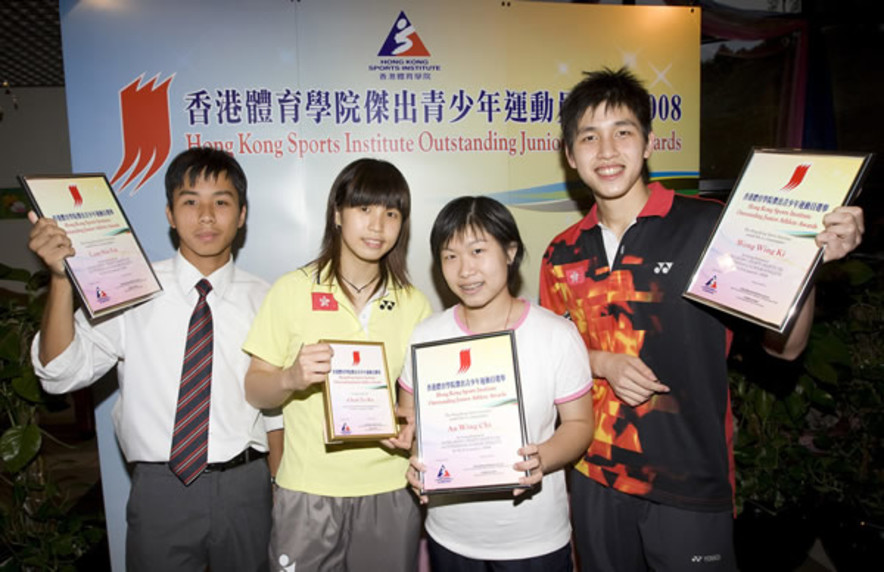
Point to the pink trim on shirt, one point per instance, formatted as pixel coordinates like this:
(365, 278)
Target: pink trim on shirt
(457, 321)
(518, 323)
(403, 386)
(575, 395)
(524, 315)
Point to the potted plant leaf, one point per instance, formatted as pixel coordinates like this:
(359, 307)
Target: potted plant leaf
(809, 436)
(846, 357)
(774, 528)
(38, 531)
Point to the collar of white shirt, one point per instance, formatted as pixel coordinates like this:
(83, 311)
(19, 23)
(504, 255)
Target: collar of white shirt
(187, 276)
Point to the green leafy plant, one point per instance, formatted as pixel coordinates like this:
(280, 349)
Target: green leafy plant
(845, 358)
(812, 432)
(37, 529)
(771, 461)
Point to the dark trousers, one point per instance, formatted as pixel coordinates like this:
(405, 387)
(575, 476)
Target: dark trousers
(445, 560)
(617, 532)
(220, 522)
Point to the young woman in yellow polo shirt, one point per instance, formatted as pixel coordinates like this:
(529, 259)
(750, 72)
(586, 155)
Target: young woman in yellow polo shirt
(340, 507)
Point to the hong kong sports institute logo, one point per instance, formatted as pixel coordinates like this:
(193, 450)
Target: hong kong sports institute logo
(146, 130)
(711, 285)
(443, 475)
(403, 40)
(403, 55)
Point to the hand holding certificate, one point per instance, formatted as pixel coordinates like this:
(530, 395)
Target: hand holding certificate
(109, 270)
(468, 405)
(762, 256)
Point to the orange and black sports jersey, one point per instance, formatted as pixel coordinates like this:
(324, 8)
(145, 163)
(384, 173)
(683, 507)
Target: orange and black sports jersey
(675, 448)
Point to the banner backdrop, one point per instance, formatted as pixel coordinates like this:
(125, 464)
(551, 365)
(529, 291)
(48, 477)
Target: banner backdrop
(463, 96)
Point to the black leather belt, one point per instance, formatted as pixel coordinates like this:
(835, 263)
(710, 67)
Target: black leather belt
(246, 456)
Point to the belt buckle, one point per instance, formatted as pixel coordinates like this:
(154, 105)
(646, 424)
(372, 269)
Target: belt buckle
(243, 458)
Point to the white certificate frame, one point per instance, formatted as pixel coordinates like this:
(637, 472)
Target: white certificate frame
(469, 413)
(110, 270)
(761, 258)
(359, 404)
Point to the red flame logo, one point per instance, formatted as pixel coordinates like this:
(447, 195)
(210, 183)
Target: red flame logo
(797, 177)
(465, 361)
(147, 133)
(75, 194)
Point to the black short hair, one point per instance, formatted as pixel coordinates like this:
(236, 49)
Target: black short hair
(479, 214)
(208, 163)
(609, 88)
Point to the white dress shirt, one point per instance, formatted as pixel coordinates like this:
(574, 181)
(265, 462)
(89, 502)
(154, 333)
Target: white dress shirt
(147, 342)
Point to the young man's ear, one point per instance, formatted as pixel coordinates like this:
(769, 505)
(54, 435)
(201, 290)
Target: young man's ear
(649, 147)
(169, 216)
(242, 217)
(570, 157)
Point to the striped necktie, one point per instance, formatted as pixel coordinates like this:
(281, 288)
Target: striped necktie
(190, 440)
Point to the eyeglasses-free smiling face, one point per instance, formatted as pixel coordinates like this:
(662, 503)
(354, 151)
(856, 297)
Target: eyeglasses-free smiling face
(206, 216)
(368, 232)
(609, 152)
(474, 265)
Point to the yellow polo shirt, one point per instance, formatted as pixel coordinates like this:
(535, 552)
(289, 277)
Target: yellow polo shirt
(299, 310)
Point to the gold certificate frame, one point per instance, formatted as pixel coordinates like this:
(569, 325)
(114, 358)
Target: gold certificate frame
(358, 396)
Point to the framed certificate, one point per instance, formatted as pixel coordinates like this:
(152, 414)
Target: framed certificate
(110, 270)
(358, 396)
(761, 257)
(469, 413)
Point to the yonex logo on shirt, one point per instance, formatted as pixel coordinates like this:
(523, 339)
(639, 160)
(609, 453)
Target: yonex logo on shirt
(663, 268)
(705, 558)
(387, 304)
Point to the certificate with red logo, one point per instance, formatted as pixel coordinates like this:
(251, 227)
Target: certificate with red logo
(358, 395)
(109, 270)
(469, 413)
(762, 256)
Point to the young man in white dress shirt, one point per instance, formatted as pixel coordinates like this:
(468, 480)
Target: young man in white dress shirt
(220, 519)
